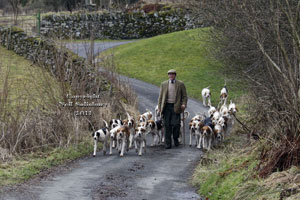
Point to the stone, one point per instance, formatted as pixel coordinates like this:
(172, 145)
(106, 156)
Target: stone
(116, 24)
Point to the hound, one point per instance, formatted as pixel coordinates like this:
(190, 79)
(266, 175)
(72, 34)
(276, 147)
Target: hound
(158, 117)
(224, 111)
(113, 138)
(198, 133)
(123, 139)
(115, 123)
(224, 95)
(215, 117)
(218, 134)
(101, 135)
(155, 127)
(145, 126)
(140, 140)
(211, 111)
(198, 117)
(145, 116)
(207, 133)
(206, 96)
(232, 109)
(131, 124)
(192, 128)
(223, 121)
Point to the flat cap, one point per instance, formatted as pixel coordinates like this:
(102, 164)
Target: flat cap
(172, 71)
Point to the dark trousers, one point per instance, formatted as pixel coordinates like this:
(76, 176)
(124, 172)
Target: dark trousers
(171, 123)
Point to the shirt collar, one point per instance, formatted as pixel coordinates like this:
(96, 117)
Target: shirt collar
(170, 80)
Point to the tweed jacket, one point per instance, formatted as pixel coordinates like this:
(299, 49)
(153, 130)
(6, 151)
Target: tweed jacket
(180, 96)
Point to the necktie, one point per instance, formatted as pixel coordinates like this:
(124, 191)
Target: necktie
(172, 81)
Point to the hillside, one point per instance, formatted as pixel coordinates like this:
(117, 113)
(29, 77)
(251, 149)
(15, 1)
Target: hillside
(185, 51)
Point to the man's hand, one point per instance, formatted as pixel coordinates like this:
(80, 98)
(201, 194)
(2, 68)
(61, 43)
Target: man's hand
(183, 107)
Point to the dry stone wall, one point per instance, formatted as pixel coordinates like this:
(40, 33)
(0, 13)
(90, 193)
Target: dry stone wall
(118, 25)
(62, 63)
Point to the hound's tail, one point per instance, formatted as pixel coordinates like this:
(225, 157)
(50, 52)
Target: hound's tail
(218, 107)
(106, 124)
(186, 114)
(225, 86)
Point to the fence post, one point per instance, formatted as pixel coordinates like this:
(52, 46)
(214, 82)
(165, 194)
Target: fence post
(8, 37)
(38, 16)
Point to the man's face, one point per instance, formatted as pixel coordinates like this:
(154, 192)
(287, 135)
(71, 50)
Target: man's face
(171, 76)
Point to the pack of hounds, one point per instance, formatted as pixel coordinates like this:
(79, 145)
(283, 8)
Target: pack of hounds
(206, 130)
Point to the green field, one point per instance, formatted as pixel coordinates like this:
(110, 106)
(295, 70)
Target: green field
(186, 51)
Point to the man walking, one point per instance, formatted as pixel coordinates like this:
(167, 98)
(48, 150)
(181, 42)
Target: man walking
(171, 102)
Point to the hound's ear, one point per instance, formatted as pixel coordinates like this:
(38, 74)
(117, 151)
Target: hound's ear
(110, 123)
(122, 123)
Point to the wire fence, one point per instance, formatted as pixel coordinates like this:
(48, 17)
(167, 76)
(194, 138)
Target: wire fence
(26, 22)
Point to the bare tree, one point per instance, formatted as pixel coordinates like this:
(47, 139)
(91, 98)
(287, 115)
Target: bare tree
(15, 7)
(260, 41)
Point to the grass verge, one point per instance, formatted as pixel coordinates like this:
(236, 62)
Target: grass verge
(23, 167)
(29, 87)
(28, 84)
(186, 51)
(230, 172)
(226, 171)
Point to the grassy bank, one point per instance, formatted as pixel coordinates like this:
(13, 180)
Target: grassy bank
(230, 172)
(186, 51)
(27, 84)
(21, 168)
(24, 87)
